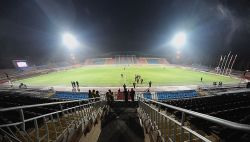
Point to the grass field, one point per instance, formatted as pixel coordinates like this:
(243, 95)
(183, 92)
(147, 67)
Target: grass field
(111, 76)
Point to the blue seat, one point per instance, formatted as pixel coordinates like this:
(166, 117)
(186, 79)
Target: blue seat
(175, 95)
(71, 96)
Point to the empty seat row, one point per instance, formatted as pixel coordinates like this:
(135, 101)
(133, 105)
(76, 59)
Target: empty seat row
(175, 95)
(71, 96)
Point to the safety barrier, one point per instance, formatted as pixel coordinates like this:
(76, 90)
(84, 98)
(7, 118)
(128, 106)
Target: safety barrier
(54, 126)
(173, 130)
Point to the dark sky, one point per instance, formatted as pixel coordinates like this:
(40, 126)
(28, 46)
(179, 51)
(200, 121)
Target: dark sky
(33, 29)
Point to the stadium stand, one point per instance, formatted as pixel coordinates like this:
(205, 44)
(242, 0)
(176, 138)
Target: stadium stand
(110, 61)
(49, 119)
(121, 59)
(163, 61)
(98, 61)
(233, 107)
(142, 60)
(147, 95)
(71, 95)
(26, 118)
(153, 61)
(176, 95)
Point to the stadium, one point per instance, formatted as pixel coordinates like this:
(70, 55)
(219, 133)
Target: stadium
(86, 88)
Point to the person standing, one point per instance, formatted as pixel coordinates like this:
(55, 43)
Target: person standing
(97, 95)
(150, 83)
(124, 87)
(93, 93)
(77, 84)
(201, 79)
(125, 95)
(134, 84)
(141, 81)
(132, 95)
(111, 95)
(90, 94)
(137, 80)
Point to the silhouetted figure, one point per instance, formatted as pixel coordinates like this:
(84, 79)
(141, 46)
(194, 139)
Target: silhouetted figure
(90, 94)
(74, 84)
(121, 75)
(137, 80)
(150, 83)
(125, 95)
(111, 95)
(201, 79)
(124, 87)
(134, 84)
(77, 84)
(107, 97)
(141, 81)
(22, 85)
(93, 93)
(132, 95)
(220, 83)
(97, 95)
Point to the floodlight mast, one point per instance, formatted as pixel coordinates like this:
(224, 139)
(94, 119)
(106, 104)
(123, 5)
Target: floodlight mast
(178, 41)
(71, 43)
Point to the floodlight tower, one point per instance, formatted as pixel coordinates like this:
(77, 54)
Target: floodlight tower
(178, 41)
(71, 43)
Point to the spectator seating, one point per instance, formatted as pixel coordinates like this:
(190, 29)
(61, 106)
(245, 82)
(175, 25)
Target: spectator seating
(71, 120)
(147, 95)
(142, 61)
(71, 95)
(233, 107)
(98, 61)
(110, 61)
(153, 61)
(176, 95)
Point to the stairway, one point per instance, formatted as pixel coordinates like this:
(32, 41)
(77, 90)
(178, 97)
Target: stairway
(122, 124)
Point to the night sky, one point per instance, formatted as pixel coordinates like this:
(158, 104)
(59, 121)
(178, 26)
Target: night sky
(32, 29)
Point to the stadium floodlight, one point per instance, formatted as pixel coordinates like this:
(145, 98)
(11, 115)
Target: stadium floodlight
(69, 40)
(179, 40)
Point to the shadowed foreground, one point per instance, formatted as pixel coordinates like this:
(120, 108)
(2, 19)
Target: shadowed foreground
(122, 125)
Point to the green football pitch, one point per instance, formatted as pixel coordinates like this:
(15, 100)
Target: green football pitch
(110, 75)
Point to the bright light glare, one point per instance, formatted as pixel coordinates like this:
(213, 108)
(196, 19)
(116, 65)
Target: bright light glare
(179, 40)
(69, 40)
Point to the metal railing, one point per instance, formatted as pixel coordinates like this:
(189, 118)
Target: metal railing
(174, 130)
(53, 125)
